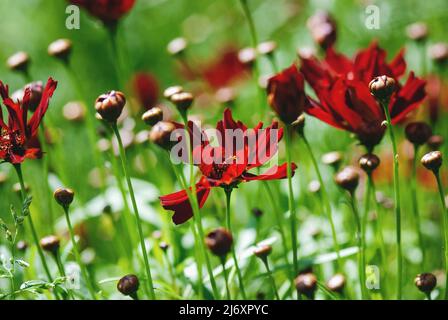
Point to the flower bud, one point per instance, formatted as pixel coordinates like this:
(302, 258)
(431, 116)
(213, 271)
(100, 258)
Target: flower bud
(439, 52)
(225, 95)
(163, 245)
(19, 61)
(425, 282)
(432, 160)
(382, 87)
(257, 212)
(128, 285)
(74, 111)
(314, 186)
(110, 105)
(417, 31)
(336, 283)
(60, 49)
(172, 90)
(64, 196)
(36, 89)
(17, 188)
(333, 158)
(306, 284)
(160, 134)
(323, 29)
(418, 132)
(262, 251)
(347, 179)
(22, 245)
(219, 241)
(435, 142)
(247, 56)
(177, 46)
(369, 162)
(267, 47)
(182, 100)
(50, 244)
(152, 116)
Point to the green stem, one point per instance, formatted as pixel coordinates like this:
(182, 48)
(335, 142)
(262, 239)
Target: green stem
(226, 277)
(326, 199)
(271, 277)
(90, 286)
(228, 192)
(415, 210)
(385, 105)
(33, 229)
(359, 239)
(136, 213)
(57, 258)
(445, 227)
(292, 208)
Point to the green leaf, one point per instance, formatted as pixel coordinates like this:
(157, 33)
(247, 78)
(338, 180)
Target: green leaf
(22, 263)
(26, 206)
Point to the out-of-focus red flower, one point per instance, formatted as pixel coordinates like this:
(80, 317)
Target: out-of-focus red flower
(146, 88)
(225, 70)
(437, 92)
(286, 94)
(108, 11)
(344, 99)
(221, 170)
(18, 139)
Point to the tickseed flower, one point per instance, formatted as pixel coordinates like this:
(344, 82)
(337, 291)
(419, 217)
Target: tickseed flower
(343, 95)
(228, 167)
(108, 11)
(18, 138)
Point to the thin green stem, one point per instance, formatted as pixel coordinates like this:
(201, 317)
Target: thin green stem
(359, 239)
(415, 210)
(57, 258)
(385, 105)
(292, 207)
(90, 286)
(271, 277)
(228, 193)
(136, 212)
(226, 277)
(326, 199)
(445, 227)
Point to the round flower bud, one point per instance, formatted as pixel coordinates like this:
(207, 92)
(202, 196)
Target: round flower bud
(247, 56)
(172, 90)
(177, 46)
(50, 244)
(369, 162)
(19, 61)
(432, 160)
(348, 179)
(267, 47)
(306, 284)
(74, 111)
(225, 95)
(36, 89)
(60, 49)
(110, 105)
(417, 31)
(314, 186)
(382, 87)
(336, 283)
(262, 251)
(257, 212)
(418, 132)
(22, 245)
(152, 116)
(128, 285)
(435, 142)
(333, 159)
(439, 52)
(425, 282)
(163, 245)
(323, 29)
(64, 196)
(160, 134)
(182, 100)
(219, 241)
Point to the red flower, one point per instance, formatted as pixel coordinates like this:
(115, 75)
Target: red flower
(344, 99)
(286, 94)
(18, 139)
(221, 170)
(109, 11)
(146, 88)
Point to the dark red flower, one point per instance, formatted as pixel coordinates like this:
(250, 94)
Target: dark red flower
(146, 88)
(286, 94)
(18, 139)
(109, 11)
(229, 163)
(344, 99)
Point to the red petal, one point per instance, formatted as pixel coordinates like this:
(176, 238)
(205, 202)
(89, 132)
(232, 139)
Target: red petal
(274, 173)
(35, 120)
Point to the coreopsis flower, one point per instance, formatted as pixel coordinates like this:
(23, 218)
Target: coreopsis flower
(108, 11)
(343, 96)
(18, 139)
(226, 165)
(286, 94)
(146, 88)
